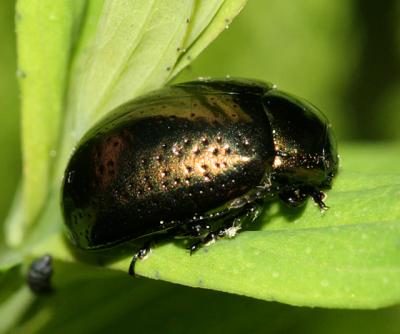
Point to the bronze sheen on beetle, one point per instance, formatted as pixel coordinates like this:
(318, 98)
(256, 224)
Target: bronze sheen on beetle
(193, 160)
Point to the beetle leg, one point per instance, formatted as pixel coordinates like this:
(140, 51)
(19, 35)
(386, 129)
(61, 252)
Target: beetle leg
(199, 226)
(140, 255)
(227, 231)
(294, 197)
(209, 239)
(318, 197)
(254, 212)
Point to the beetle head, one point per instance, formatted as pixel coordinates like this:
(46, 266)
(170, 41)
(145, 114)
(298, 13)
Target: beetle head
(305, 151)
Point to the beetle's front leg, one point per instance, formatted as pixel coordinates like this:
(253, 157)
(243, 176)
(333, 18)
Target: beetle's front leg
(318, 197)
(141, 254)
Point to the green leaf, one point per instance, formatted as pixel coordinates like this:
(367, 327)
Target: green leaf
(326, 267)
(201, 32)
(10, 169)
(15, 299)
(46, 30)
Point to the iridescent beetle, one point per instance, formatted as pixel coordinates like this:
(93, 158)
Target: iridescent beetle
(191, 159)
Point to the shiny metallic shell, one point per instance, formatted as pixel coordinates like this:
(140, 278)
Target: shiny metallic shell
(190, 150)
(182, 151)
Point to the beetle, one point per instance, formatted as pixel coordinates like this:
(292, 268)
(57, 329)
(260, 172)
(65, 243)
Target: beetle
(191, 160)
